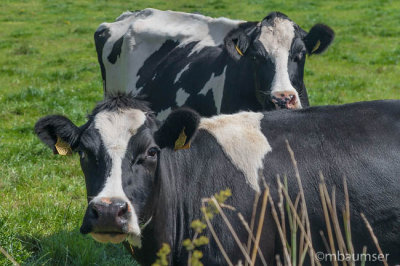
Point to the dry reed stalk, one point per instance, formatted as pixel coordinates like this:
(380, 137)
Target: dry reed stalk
(253, 217)
(327, 222)
(241, 247)
(374, 238)
(278, 260)
(280, 206)
(217, 241)
(9, 257)
(307, 237)
(260, 223)
(303, 201)
(286, 258)
(246, 226)
(335, 221)
(303, 247)
(346, 218)
(324, 241)
(364, 252)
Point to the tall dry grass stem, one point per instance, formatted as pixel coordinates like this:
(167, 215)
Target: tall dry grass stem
(9, 257)
(260, 223)
(374, 238)
(214, 234)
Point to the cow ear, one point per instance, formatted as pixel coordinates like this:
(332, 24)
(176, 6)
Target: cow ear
(237, 43)
(318, 39)
(57, 132)
(178, 129)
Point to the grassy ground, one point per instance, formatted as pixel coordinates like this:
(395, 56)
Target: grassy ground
(48, 65)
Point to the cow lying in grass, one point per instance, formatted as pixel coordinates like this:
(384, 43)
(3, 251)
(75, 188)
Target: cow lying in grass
(135, 176)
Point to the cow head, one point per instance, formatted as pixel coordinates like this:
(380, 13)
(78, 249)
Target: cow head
(119, 149)
(278, 48)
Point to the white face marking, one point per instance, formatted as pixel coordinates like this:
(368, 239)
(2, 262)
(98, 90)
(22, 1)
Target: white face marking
(277, 41)
(144, 34)
(178, 76)
(241, 139)
(116, 128)
(163, 114)
(216, 84)
(181, 97)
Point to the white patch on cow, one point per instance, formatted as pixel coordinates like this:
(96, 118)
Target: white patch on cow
(181, 97)
(178, 76)
(115, 129)
(144, 34)
(164, 113)
(277, 40)
(215, 83)
(242, 141)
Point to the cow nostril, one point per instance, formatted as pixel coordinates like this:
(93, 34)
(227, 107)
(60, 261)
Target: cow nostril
(123, 209)
(95, 212)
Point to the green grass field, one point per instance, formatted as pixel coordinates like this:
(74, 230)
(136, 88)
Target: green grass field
(48, 64)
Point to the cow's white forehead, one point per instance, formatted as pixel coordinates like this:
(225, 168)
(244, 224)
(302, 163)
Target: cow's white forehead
(117, 127)
(277, 37)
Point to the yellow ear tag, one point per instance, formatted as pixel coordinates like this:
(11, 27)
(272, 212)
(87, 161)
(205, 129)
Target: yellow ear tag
(316, 46)
(238, 50)
(62, 147)
(180, 142)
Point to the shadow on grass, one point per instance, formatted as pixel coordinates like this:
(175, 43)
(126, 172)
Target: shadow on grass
(73, 248)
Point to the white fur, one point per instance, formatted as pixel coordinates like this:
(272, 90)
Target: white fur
(178, 76)
(241, 139)
(144, 34)
(116, 128)
(277, 40)
(215, 83)
(181, 97)
(164, 113)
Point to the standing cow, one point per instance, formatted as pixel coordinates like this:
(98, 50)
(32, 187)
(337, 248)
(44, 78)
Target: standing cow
(213, 65)
(134, 176)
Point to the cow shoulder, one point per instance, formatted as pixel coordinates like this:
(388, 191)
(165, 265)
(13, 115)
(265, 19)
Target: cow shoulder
(242, 140)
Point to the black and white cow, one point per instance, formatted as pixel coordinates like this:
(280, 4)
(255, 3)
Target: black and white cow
(213, 65)
(134, 176)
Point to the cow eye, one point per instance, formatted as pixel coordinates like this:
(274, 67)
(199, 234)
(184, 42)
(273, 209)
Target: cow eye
(299, 56)
(152, 152)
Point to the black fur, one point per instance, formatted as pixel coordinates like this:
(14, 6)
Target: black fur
(116, 50)
(178, 120)
(100, 38)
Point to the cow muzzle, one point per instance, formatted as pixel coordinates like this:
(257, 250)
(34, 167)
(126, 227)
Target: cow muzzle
(286, 100)
(107, 220)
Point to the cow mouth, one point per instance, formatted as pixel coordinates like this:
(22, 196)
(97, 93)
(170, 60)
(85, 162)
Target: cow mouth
(288, 102)
(112, 237)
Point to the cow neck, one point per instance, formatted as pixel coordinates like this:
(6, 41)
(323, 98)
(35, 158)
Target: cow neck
(164, 208)
(261, 96)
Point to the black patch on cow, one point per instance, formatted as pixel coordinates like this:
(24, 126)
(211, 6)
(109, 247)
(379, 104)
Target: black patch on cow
(147, 73)
(116, 50)
(100, 38)
(157, 76)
